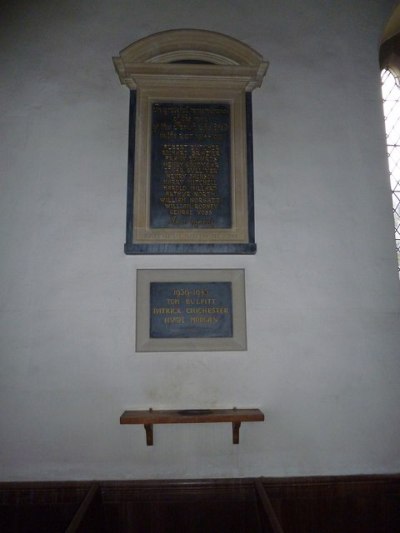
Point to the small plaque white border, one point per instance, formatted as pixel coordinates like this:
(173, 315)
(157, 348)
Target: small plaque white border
(144, 343)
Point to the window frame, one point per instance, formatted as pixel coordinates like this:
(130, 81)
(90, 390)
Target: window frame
(389, 60)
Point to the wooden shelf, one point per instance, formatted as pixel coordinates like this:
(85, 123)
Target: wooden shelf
(192, 416)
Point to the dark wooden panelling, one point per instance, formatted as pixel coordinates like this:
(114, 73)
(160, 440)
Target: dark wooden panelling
(355, 504)
(189, 517)
(90, 515)
(187, 506)
(343, 504)
(266, 511)
(39, 507)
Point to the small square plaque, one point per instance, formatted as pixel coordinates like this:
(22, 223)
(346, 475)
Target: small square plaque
(190, 310)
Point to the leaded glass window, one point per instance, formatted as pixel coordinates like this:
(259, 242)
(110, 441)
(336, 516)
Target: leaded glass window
(391, 108)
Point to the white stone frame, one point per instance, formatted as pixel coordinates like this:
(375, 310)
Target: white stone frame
(144, 343)
(142, 231)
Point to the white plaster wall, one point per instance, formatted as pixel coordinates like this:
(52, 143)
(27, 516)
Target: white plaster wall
(323, 296)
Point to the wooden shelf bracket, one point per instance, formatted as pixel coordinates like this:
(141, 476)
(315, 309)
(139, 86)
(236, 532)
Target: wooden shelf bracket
(235, 432)
(149, 434)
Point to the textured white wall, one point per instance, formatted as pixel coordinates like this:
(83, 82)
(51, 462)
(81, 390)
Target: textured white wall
(323, 296)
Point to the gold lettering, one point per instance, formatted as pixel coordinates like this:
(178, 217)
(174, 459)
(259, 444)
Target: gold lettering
(174, 320)
(203, 320)
(207, 310)
(190, 187)
(173, 301)
(166, 310)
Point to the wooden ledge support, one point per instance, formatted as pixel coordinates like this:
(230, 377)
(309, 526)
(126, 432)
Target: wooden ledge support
(235, 432)
(149, 434)
(192, 416)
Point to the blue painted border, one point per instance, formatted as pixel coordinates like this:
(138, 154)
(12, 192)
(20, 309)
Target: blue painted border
(132, 248)
(202, 248)
(250, 167)
(131, 169)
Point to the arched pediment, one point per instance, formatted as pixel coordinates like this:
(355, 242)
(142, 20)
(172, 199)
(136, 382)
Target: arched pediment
(185, 45)
(190, 52)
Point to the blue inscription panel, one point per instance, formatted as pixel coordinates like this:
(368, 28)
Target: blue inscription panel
(190, 310)
(190, 166)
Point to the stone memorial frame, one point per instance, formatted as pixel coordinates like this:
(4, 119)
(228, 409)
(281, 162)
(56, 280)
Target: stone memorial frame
(190, 310)
(190, 119)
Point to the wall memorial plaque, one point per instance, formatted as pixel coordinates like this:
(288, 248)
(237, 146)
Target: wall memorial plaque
(190, 162)
(190, 310)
